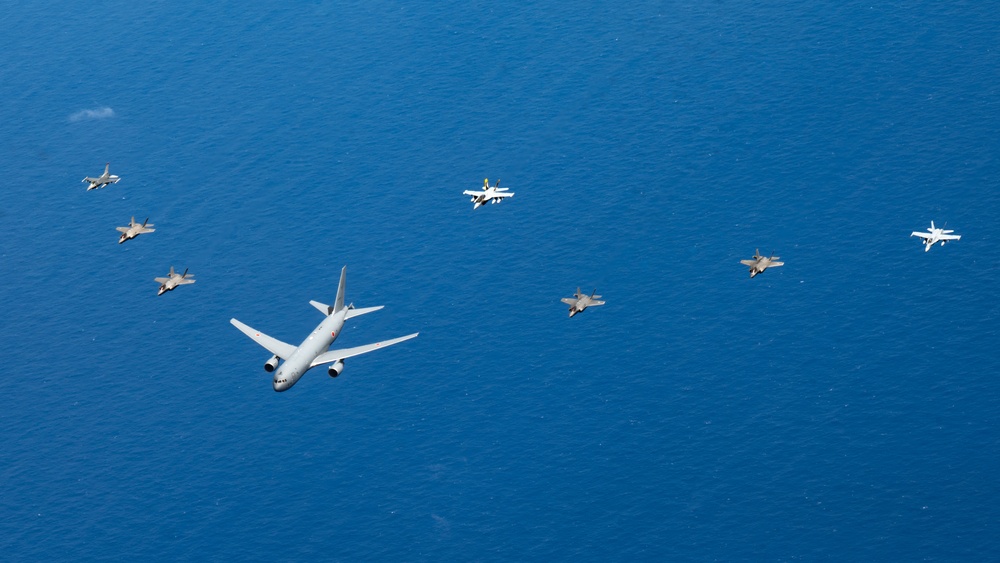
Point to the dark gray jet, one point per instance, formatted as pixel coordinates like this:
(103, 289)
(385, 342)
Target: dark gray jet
(582, 301)
(314, 350)
(173, 280)
(760, 263)
(134, 229)
(102, 180)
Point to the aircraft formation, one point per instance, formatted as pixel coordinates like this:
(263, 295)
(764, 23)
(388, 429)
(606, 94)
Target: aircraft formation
(289, 363)
(133, 229)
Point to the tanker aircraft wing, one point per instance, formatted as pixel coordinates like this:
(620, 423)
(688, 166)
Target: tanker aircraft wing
(344, 353)
(281, 349)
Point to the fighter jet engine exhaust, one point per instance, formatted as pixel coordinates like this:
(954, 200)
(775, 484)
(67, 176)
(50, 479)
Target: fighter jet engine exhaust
(271, 364)
(336, 368)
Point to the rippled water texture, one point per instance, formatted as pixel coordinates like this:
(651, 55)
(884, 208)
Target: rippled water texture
(843, 406)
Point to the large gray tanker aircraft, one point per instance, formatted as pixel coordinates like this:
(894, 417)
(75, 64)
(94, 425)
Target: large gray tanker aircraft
(313, 351)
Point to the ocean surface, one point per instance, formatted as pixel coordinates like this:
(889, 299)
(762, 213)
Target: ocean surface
(843, 407)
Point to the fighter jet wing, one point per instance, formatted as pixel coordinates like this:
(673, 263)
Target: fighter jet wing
(595, 303)
(161, 280)
(775, 264)
(121, 229)
(473, 192)
(568, 300)
(272, 345)
(334, 355)
(748, 262)
(921, 235)
(949, 237)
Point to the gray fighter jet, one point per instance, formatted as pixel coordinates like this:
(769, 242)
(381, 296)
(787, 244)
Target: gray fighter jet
(314, 350)
(173, 280)
(134, 229)
(582, 301)
(102, 180)
(489, 194)
(760, 263)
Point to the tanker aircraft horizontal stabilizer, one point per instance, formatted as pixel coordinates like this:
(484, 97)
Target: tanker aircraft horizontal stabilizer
(494, 194)
(314, 350)
(935, 235)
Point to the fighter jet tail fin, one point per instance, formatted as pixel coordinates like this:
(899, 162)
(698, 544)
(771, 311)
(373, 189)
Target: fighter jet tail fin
(339, 303)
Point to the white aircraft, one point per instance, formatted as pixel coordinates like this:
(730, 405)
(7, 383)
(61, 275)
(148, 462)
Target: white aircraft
(489, 194)
(102, 180)
(935, 235)
(313, 350)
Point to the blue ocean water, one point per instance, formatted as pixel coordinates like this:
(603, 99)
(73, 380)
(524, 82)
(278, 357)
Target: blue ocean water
(841, 407)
